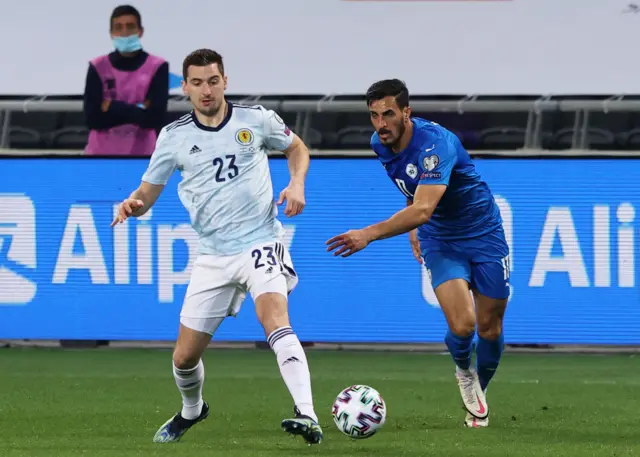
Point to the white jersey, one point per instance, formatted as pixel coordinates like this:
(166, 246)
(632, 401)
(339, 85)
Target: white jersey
(226, 182)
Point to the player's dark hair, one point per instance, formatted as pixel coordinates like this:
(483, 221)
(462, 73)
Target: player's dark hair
(125, 10)
(389, 88)
(202, 58)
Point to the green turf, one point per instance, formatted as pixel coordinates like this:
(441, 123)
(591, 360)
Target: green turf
(56, 403)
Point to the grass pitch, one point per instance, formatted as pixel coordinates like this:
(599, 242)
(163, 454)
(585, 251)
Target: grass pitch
(68, 403)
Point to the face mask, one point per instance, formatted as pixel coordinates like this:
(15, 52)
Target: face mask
(129, 43)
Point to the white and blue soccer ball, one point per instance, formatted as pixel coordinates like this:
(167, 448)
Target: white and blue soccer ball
(359, 411)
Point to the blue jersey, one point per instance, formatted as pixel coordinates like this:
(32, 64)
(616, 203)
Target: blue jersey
(435, 156)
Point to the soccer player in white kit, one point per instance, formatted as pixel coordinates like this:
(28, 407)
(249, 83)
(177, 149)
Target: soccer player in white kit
(221, 152)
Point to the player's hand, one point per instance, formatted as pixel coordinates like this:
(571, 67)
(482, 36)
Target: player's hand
(415, 245)
(348, 243)
(294, 196)
(126, 209)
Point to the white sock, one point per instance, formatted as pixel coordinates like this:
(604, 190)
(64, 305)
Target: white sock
(293, 368)
(190, 383)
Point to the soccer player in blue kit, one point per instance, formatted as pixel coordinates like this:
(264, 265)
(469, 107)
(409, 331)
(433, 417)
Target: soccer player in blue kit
(455, 229)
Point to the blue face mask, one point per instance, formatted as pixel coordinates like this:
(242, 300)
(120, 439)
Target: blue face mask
(129, 43)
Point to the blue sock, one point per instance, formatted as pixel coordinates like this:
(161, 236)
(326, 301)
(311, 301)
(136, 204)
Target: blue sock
(460, 348)
(488, 354)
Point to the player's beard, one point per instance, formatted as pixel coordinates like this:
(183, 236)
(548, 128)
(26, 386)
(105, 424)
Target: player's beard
(393, 140)
(401, 128)
(210, 111)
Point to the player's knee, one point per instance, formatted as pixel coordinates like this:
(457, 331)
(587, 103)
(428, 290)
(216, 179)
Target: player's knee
(184, 360)
(490, 329)
(463, 325)
(272, 311)
(490, 314)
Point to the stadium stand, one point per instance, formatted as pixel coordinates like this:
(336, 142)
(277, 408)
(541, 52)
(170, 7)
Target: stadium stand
(606, 122)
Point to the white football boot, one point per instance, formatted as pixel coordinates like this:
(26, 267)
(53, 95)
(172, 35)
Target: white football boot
(472, 395)
(473, 422)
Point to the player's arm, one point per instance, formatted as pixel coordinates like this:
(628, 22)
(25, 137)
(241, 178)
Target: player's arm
(279, 137)
(298, 159)
(161, 167)
(425, 201)
(435, 167)
(413, 233)
(413, 239)
(147, 194)
(138, 203)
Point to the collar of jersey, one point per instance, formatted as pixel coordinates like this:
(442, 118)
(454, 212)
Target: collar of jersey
(213, 129)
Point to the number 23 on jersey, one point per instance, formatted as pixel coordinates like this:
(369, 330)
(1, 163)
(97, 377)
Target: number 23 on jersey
(225, 168)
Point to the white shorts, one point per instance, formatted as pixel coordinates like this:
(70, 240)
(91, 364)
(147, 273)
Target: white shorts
(219, 284)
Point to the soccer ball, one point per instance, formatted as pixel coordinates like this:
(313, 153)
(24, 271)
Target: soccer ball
(359, 411)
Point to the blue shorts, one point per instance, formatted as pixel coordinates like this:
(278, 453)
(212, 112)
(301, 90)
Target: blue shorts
(483, 262)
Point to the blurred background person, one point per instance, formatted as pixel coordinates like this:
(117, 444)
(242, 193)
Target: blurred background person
(126, 92)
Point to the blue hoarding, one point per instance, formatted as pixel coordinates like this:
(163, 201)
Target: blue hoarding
(64, 273)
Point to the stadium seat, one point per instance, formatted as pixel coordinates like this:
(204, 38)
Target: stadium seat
(596, 139)
(459, 134)
(313, 138)
(24, 138)
(502, 138)
(469, 138)
(70, 138)
(630, 139)
(600, 139)
(355, 137)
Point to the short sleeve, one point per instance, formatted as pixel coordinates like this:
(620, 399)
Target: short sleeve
(436, 163)
(277, 135)
(163, 162)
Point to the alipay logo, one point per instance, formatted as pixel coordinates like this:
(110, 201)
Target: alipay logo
(17, 249)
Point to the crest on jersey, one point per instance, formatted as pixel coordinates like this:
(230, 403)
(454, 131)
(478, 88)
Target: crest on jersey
(412, 171)
(431, 162)
(244, 137)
